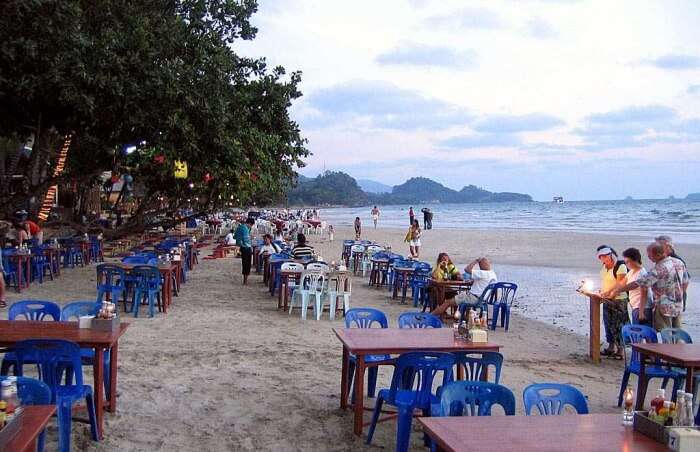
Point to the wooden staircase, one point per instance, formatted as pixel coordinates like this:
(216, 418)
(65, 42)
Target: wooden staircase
(50, 198)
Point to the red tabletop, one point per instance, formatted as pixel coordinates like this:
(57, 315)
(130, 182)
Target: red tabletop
(370, 341)
(686, 355)
(26, 427)
(587, 432)
(12, 331)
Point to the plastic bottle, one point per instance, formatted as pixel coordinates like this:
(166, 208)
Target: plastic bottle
(689, 418)
(657, 402)
(678, 420)
(9, 394)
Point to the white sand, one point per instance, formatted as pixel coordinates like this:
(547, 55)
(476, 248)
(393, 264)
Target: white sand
(224, 370)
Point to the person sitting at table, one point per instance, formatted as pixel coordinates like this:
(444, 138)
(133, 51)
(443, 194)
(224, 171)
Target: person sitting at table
(229, 240)
(34, 231)
(445, 270)
(302, 250)
(481, 273)
(279, 234)
(20, 233)
(269, 246)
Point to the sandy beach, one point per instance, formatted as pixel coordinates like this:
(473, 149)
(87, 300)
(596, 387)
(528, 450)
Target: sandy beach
(224, 370)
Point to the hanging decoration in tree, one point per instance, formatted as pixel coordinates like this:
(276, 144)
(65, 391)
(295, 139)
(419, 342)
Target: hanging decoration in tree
(159, 159)
(180, 169)
(208, 178)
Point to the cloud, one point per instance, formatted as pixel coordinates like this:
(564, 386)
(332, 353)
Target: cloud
(468, 18)
(413, 54)
(517, 123)
(647, 114)
(541, 29)
(693, 89)
(676, 62)
(485, 140)
(384, 105)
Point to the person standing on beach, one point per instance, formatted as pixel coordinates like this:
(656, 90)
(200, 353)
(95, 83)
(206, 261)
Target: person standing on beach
(612, 272)
(413, 238)
(358, 228)
(667, 242)
(640, 300)
(245, 244)
(666, 281)
(411, 216)
(375, 216)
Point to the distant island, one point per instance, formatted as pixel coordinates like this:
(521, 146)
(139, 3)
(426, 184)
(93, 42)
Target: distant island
(693, 197)
(338, 188)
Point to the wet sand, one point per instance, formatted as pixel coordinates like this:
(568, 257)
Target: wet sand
(224, 370)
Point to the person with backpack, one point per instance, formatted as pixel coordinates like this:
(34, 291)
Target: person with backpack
(612, 272)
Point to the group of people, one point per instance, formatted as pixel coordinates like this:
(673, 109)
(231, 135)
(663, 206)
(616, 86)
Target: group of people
(479, 272)
(23, 229)
(656, 297)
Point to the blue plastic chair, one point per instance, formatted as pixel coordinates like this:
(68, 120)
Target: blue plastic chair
(136, 260)
(473, 398)
(501, 296)
(637, 334)
(476, 365)
(419, 320)
(419, 287)
(148, 288)
(675, 336)
(59, 360)
(556, 398)
(73, 311)
(33, 392)
(40, 265)
(9, 269)
(111, 279)
(366, 318)
(411, 389)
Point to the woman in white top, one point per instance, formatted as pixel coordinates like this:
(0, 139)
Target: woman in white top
(639, 298)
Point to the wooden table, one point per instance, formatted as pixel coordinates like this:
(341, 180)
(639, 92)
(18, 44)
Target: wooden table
(54, 257)
(30, 422)
(23, 263)
(167, 271)
(379, 269)
(680, 355)
(580, 433)
(441, 287)
(402, 275)
(13, 331)
(387, 341)
(283, 295)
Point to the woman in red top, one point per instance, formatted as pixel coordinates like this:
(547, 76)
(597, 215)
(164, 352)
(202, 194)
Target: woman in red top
(34, 230)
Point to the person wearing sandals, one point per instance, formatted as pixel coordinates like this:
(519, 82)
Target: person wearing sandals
(612, 272)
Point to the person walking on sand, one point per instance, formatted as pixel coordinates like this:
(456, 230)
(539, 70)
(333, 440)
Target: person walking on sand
(245, 244)
(358, 228)
(413, 239)
(375, 216)
(411, 216)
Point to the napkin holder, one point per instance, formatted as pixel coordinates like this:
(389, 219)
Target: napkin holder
(105, 324)
(478, 336)
(85, 321)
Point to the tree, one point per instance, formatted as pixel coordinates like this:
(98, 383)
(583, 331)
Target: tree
(160, 75)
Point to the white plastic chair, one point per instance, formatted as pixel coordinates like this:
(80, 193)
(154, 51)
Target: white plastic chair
(367, 260)
(339, 285)
(310, 283)
(356, 250)
(318, 266)
(295, 266)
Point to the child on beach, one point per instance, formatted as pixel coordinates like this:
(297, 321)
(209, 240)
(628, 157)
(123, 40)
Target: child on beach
(358, 228)
(330, 232)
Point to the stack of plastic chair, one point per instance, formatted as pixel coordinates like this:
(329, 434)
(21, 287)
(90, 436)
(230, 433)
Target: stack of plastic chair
(502, 296)
(419, 320)
(148, 288)
(33, 392)
(638, 334)
(550, 399)
(72, 312)
(411, 389)
(111, 279)
(339, 285)
(32, 310)
(357, 255)
(40, 264)
(54, 357)
(311, 283)
(367, 318)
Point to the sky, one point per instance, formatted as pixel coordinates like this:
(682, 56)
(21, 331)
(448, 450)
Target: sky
(586, 99)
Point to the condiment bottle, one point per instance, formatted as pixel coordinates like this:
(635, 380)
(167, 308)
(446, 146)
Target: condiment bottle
(689, 418)
(680, 408)
(664, 412)
(658, 402)
(9, 394)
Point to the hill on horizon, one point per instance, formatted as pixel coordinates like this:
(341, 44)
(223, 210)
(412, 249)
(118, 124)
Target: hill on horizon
(371, 186)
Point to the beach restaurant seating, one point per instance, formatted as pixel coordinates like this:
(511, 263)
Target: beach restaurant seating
(339, 286)
(501, 296)
(55, 357)
(637, 334)
(111, 279)
(411, 389)
(418, 320)
(311, 283)
(367, 318)
(680, 336)
(551, 399)
(475, 367)
(40, 265)
(33, 392)
(148, 286)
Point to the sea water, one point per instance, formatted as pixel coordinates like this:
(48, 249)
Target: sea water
(678, 218)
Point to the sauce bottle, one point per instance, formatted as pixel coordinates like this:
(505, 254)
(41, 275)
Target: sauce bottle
(657, 402)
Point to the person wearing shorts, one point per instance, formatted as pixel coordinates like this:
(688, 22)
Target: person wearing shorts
(375, 216)
(414, 242)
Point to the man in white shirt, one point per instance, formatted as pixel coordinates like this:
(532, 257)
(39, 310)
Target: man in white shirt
(229, 240)
(482, 275)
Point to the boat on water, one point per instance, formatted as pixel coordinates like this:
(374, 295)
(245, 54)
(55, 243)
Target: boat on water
(558, 199)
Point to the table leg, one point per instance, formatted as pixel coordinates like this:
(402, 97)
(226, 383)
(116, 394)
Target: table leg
(689, 379)
(283, 288)
(344, 379)
(643, 382)
(358, 405)
(98, 392)
(113, 356)
(594, 330)
(394, 289)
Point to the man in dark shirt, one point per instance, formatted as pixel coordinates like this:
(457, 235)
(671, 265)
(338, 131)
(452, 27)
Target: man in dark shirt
(301, 249)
